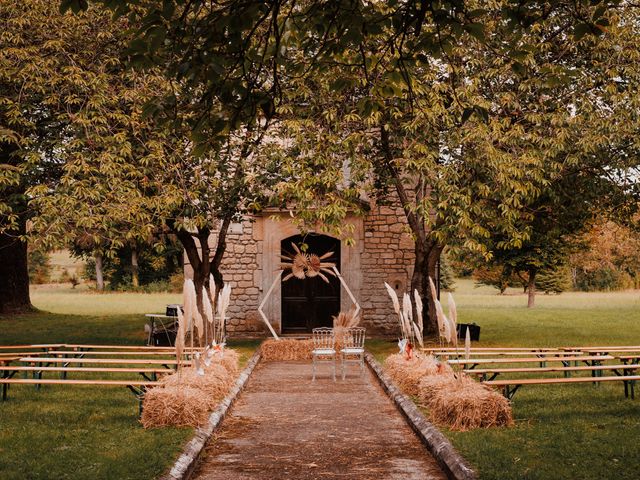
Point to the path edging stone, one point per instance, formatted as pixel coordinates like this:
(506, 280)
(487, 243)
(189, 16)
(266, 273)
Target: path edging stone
(453, 464)
(186, 463)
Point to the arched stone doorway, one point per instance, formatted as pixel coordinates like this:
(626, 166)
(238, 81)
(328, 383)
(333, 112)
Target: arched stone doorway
(310, 303)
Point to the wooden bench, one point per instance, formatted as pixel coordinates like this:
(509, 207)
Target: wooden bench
(8, 360)
(37, 346)
(510, 387)
(138, 388)
(494, 372)
(141, 348)
(106, 361)
(10, 371)
(547, 353)
(85, 353)
(565, 360)
(626, 359)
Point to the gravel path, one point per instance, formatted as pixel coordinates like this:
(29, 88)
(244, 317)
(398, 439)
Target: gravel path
(285, 426)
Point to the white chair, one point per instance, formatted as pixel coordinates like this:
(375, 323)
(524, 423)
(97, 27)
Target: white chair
(324, 348)
(353, 346)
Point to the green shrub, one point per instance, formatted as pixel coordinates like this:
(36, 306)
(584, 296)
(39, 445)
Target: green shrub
(556, 280)
(39, 266)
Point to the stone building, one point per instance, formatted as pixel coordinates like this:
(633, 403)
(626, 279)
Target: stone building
(383, 252)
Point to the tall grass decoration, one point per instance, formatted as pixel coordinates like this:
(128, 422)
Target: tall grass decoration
(223, 303)
(199, 322)
(208, 314)
(188, 300)
(467, 344)
(419, 326)
(411, 331)
(213, 299)
(442, 333)
(180, 333)
(453, 319)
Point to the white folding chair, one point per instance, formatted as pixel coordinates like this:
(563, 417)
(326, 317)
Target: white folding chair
(353, 346)
(324, 348)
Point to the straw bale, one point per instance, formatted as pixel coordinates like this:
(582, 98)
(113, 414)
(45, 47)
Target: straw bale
(407, 373)
(214, 384)
(229, 360)
(463, 404)
(174, 406)
(286, 349)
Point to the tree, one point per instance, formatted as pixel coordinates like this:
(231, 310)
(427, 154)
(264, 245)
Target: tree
(42, 56)
(468, 140)
(609, 259)
(244, 58)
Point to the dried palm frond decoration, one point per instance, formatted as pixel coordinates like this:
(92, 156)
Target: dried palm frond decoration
(405, 318)
(306, 265)
(348, 319)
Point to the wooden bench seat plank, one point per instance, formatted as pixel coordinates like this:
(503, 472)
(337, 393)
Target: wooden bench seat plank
(586, 368)
(32, 346)
(479, 361)
(510, 387)
(84, 369)
(112, 361)
(492, 349)
(543, 381)
(107, 353)
(461, 353)
(127, 353)
(142, 348)
(7, 360)
(50, 381)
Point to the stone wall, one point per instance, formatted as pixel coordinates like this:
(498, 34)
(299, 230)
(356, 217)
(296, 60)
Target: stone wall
(383, 253)
(387, 256)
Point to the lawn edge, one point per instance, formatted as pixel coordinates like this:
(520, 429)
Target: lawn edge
(186, 463)
(453, 464)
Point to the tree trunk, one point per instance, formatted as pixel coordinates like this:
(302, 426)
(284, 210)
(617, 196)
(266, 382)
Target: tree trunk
(427, 251)
(14, 274)
(99, 273)
(532, 288)
(135, 280)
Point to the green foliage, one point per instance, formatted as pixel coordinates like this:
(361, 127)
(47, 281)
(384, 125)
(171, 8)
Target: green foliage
(447, 276)
(155, 268)
(610, 259)
(555, 280)
(39, 266)
(602, 279)
(497, 276)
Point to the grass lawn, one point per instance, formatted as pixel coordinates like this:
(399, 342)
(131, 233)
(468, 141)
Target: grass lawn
(80, 432)
(561, 432)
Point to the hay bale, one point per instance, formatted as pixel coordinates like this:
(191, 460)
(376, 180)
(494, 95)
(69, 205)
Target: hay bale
(230, 360)
(464, 404)
(286, 349)
(214, 384)
(407, 373)
(174, 406)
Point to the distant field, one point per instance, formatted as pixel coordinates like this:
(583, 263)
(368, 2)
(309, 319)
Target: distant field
(61, 260)
(65, 300)
(571, 318)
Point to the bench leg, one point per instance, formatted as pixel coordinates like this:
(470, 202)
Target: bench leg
(139, 393)
(510, 392)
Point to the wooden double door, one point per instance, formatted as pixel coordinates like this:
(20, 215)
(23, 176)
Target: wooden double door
(310, 303)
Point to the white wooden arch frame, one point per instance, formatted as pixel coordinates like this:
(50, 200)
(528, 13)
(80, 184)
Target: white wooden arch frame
(275, 282)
